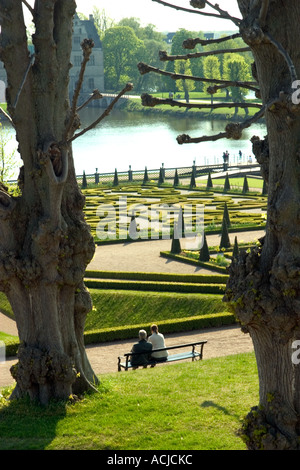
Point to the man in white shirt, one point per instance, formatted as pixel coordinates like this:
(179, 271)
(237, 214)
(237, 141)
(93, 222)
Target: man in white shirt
(158, 341)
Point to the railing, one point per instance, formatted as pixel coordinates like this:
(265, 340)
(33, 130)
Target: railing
(161, 174)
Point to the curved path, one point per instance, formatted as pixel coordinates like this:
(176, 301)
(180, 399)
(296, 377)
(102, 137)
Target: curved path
(144, 256)
(104, 356)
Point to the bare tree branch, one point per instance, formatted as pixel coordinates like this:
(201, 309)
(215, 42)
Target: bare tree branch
(213, 89)
(232, 130)
(163, 56)
(128, 87)
(7, 116)
(263, 12)
(192, 43)
(186, 139)
(28, 6)
(30, 63)
(224, 14)
(236, 21)
(87, 47)
(96, 95)
(144, 68)
(151, 101)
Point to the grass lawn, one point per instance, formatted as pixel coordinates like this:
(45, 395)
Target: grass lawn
(237, 183)
(187, 406)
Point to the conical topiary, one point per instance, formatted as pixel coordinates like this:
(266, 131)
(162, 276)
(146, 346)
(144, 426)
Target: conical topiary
(145, 176)
(245, 185)
(235, 252)
(225, 242)
(226, 215)
(175, 246)
(161, 176)
(180, 224)
(204, 251)
(84, 181)
(176, 179)
(193, 181)
(227, 183)
(209, 183)
(116, 179)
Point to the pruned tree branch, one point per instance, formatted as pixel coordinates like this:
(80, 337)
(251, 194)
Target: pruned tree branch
(28, 6)
(263, 12)
(236, 21)
(151, 101)
(144, 68)
(163, 56)
(96, 95)
(87, 48)
(213, 89)
(30, 63)
(186, 139)
(232, 130)
(223, 14)
(192, 43)
(7, 116)
(128, 87)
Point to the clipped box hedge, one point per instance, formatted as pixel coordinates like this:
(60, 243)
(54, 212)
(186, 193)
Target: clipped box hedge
(185, 259)
(148, 276)
(165, 327)
(155, 286)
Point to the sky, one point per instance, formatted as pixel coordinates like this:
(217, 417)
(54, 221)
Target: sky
(164, 18)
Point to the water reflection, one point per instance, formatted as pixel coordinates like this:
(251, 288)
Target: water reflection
(148, 140)
(141, 140)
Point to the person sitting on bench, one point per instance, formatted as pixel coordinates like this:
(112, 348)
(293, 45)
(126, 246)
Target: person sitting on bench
(158, 341)
(142, 346)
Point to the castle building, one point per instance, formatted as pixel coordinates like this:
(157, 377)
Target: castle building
(94, 72)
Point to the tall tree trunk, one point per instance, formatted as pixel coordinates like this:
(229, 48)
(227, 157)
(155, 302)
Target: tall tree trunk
(45, 244)
(264, 284)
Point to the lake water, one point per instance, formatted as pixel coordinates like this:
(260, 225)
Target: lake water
(140, 140)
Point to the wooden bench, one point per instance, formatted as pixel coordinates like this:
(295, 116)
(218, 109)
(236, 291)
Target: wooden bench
(193, 354)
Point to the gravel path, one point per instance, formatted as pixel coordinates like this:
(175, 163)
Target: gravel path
(104, 357)
(144, 257)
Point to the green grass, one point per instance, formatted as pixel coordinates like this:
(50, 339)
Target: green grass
(121, 308)
(187, 406)
(254, 183)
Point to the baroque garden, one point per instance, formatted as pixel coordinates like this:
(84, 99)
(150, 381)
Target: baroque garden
(230, 205)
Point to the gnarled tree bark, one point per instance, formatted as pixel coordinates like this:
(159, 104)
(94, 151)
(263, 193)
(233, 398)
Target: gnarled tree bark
(45, 244)
(263, 287)
(264, 284)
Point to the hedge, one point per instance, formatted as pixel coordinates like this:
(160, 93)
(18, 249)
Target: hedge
(165, 327)
(185, 259)
(152, 276)
(155, 286)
